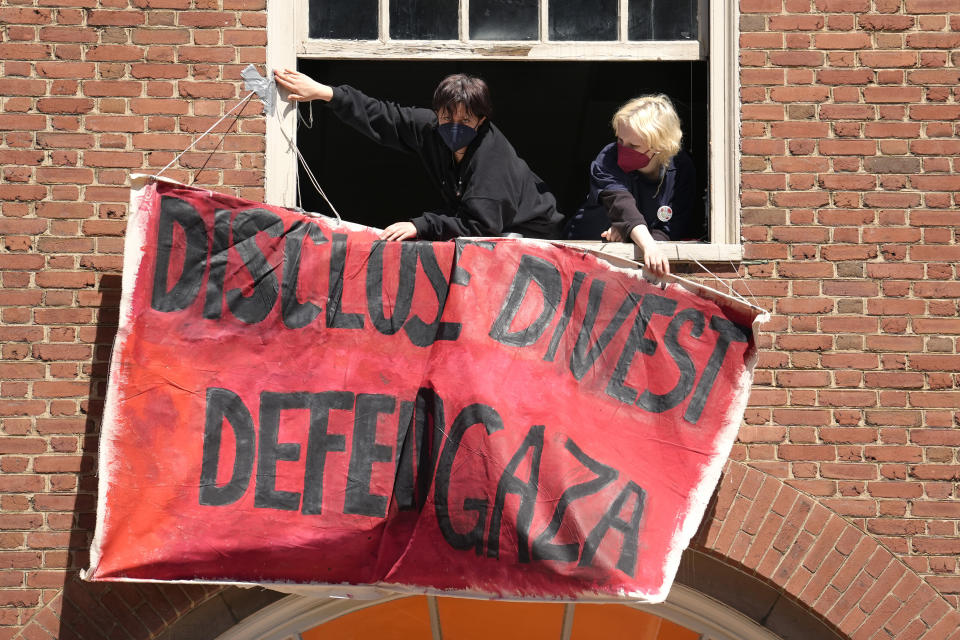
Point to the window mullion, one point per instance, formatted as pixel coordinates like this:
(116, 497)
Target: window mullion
(567, 629)
(384, 29)
(436, 628)
(464, 20)
(544, 20)
(622, 22)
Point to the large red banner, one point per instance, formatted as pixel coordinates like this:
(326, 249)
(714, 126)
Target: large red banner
(293, 401)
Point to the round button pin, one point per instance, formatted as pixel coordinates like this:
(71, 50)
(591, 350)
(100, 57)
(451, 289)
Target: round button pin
(664, 213)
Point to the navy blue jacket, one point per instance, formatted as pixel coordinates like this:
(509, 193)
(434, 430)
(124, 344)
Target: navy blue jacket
(616, 198)
(491, 192)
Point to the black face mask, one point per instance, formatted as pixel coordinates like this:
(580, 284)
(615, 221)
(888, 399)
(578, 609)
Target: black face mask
(456, 135)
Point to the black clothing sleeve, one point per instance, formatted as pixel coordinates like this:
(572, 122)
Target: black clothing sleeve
(388, 124)
(624, 215)
(474, 217)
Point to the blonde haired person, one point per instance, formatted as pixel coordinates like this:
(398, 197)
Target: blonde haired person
(642, 186)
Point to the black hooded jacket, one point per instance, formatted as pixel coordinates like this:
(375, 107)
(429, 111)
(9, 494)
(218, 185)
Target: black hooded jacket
(491, 192)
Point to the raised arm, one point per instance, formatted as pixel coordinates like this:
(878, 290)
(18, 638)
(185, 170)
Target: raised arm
(393, 126)
(301, 87)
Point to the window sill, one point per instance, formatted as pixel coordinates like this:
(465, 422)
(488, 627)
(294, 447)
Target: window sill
(676, 251)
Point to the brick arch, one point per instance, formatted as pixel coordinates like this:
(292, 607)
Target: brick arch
(832, 568)
(142, 611)
(757, 525)
(121, 609)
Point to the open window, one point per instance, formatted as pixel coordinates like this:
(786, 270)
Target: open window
(558, 70)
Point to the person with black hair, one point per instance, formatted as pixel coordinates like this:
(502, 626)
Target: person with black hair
(486, 188)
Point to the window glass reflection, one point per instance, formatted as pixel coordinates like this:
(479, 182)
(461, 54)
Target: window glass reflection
(353, 20)
(662, 20)
(423, 19)
(504, 19)
(583, 19)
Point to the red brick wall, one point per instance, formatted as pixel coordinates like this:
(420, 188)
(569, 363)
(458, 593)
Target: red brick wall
(850, 194)
(849, 185)
(92, 90)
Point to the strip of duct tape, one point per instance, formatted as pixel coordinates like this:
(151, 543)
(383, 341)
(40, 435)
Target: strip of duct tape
(265, 88)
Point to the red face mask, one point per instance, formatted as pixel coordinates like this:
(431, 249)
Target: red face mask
(631, 160)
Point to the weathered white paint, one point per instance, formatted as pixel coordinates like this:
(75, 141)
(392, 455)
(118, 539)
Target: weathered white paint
(499, 50)
(675, 251)
(280, 180)
(724, 147)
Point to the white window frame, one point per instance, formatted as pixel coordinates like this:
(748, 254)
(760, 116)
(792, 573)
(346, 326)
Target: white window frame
(287, 40)
(463, 47)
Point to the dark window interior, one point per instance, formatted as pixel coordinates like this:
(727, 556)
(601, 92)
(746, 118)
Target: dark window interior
(556, 114)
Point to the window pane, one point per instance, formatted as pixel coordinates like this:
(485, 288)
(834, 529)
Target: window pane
(423, 19)
(405, 619)
(617, 621)
(504, 19)
(662, 20)
(583, 19)
(343, 19)
(466, 619)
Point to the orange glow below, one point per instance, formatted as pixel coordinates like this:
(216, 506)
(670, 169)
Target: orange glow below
(464, 619)
(405, 619)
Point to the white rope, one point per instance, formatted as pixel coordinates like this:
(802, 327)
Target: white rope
(745, 284)
(306, 167)
(290, 142)
(212, 127)
(718, 279)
